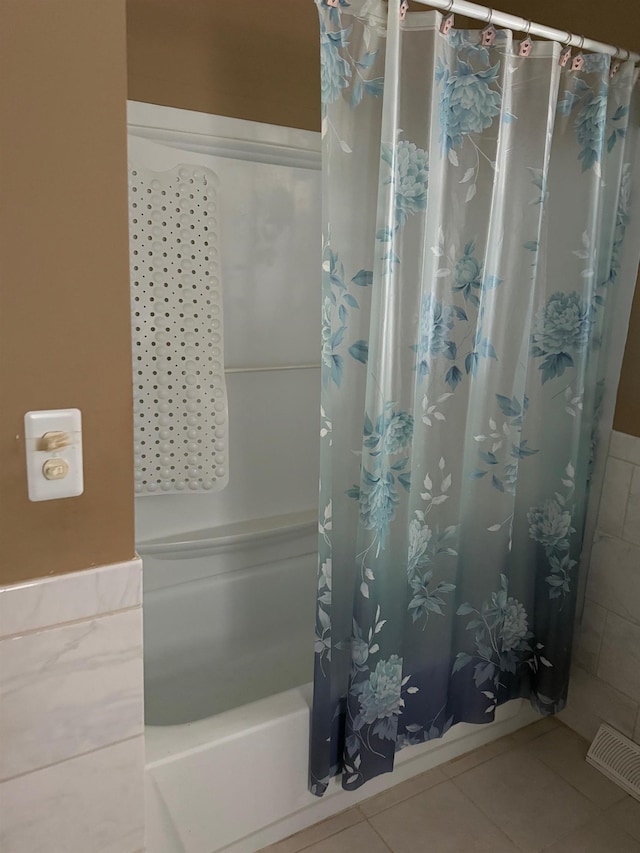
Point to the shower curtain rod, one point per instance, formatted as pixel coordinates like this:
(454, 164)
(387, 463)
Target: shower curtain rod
(513, 22)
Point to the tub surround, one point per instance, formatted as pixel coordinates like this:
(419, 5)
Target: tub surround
(71, 731)
(605, 685)
(269, 201)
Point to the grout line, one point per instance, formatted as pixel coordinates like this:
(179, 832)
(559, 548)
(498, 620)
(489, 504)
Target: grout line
(624, 456)
(600, 641)
(78, 621)
(607, 613)
(481, 810)
(635, 473)
(72, 757)
(325, 837)
(626, 501)
(567, 781)
(379, 836)
(568, 833)
(409, 796)
(331, 834)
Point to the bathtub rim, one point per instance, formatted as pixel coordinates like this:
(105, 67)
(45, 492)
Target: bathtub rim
(251, 533)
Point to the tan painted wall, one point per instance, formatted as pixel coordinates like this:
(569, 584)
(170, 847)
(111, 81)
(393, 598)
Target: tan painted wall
(258, 60)
(251, 59)
(627, 418)
(64, 297)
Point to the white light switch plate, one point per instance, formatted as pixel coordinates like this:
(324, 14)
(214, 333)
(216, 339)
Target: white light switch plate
(36, 424)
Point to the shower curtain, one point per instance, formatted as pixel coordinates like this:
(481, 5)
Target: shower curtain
(475, 204)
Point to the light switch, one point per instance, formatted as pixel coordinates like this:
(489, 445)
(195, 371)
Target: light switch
(53, 442)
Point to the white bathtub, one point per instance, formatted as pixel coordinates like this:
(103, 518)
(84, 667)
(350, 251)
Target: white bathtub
(228, 616)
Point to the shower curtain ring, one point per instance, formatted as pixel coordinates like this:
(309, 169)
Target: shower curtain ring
(565, 55)
(447, 19)
(615, 62)
(578, 62)
(488, 35)
(526, 45)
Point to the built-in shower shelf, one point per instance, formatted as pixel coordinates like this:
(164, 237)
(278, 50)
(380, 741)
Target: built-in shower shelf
(232, 537)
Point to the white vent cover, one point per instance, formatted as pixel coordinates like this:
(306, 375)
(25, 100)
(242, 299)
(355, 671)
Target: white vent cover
(180, 399)
(617, 757)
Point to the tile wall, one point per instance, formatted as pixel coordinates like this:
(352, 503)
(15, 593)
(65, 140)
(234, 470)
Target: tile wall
(605, 685)
(71, 724)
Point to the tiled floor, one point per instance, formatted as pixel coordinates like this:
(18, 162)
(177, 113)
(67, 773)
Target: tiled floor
(530, 791)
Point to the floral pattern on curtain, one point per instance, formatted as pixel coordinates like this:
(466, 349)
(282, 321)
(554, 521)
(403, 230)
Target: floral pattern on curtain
(475, 205)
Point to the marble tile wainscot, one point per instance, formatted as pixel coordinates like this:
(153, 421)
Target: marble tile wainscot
(605, 685)
(71, 718)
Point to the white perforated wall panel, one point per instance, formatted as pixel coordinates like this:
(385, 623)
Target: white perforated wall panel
(180, 399)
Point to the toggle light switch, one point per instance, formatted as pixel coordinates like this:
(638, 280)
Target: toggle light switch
(55, 469)
(53, 443)
(55, 440)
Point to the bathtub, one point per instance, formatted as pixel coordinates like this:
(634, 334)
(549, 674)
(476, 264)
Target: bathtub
(228, 660)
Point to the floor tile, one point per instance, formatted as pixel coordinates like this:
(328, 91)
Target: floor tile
(597, 836)
(526, 799)
(626, 815)
(318, 832)
(478, 756)
(357, 839)
(440, 820)
(565, 752)
(401, 792)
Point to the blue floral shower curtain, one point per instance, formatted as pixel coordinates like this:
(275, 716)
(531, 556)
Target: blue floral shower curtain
(475, 207)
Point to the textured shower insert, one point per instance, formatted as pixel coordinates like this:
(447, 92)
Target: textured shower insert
(180, 397)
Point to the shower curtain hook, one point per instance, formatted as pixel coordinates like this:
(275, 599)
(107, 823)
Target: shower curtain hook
(526, 45)
(488, 34)
(615, 63)
(578, 62)
(565, 55)
(447, 21)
